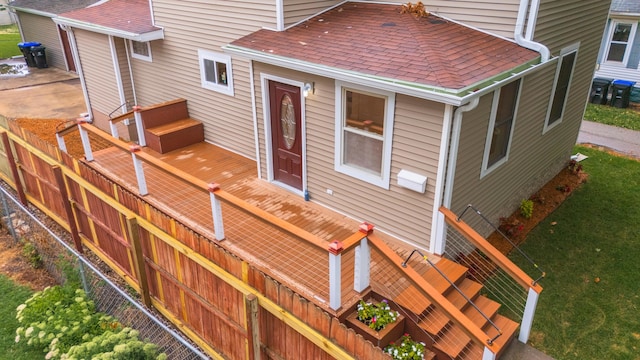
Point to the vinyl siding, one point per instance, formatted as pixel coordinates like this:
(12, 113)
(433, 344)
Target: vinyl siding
(125, 76)
(298, 10)
(416, 140)
(44, 30)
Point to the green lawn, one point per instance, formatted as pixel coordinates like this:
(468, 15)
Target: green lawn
(610, 115)
(597, 235)
(9, 39)
(12, 295)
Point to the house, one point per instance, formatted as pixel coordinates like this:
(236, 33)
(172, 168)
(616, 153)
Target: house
(5, 15)
(381, 111)
(619, 55)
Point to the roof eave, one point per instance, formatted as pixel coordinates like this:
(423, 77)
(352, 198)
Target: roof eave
(624, 14)
(83, 25)
(32, 11)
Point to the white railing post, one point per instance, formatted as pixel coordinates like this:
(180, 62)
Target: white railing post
(139, 126)
(362, 266)
(216, 212)
(61, 143)
(86, 144)
(335, 276)
(488, 354)
(114, 129)
(527, 317)
(137, 165)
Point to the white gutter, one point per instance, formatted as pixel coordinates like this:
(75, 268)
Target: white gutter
(133, 83)
(148, 36)
(118, 74)
(32, 11)
(527, 41)
(440, 176)
(254, 114)
(76, 57)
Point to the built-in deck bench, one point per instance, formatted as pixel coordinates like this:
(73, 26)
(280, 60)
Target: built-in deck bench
(168, 127)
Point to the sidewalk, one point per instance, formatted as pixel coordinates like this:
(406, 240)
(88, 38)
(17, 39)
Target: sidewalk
(624, 141)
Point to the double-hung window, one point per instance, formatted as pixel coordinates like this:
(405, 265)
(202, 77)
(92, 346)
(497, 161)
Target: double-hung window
(140, 50)
(501, 124)
(562, 81)
(364, 128)
(621, 36)
(215, 71)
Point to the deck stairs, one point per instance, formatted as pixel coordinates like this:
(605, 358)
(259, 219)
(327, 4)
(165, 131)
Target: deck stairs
(446, 339)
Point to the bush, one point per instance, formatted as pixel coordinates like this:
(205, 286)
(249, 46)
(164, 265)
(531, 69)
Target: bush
(526, 208)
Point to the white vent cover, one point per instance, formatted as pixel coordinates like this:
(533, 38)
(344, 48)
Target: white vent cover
(412, 181)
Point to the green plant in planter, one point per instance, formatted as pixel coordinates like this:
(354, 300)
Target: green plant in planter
(526, 208)
(406, 349)
(376, 315)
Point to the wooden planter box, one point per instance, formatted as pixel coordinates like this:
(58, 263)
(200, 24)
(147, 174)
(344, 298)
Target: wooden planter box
(382, 338)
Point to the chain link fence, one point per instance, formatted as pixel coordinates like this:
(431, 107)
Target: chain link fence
(51, 249)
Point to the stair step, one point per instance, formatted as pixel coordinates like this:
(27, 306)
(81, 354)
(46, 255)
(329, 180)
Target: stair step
(452, 342)
(488, 308)
(508, 328)
(468, 287)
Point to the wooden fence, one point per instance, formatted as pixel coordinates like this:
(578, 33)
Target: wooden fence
(229, 308)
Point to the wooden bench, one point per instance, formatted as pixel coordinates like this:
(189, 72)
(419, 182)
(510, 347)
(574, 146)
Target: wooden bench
(168, 127)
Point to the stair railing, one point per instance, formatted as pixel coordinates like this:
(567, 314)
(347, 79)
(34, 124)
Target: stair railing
(113, 120)
(465, 297)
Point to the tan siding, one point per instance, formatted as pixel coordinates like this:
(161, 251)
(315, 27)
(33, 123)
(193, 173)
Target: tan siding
(418, 129)
(125, 76)
(97, 66)
(43, 30)
(298, 10)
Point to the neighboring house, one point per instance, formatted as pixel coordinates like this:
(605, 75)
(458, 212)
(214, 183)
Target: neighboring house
(5, 15)
(619, 56)
(379, 115)
(36, 24)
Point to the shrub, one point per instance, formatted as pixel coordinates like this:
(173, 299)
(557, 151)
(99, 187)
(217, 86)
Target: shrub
(123, 344)
(376, 315)
(526, 208)
(406, 349)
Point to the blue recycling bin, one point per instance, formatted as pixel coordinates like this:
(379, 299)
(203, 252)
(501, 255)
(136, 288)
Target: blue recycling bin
(621, 93)
(25, 48)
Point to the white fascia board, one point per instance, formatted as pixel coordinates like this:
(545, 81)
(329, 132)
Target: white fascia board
(148, 36)
(32, 11)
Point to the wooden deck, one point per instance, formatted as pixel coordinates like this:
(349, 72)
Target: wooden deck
(297, 263)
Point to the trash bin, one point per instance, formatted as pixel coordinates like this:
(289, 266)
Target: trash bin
(39, 56)
(600, 91)
(25, 48)
(621, 93)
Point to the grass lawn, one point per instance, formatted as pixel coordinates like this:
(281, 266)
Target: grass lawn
(605, 114)
(590, 306)
(12, 295)
(9, 39)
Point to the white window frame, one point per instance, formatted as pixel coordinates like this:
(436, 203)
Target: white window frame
(135, 55)
(486, 169)
(216, 58)
(382, 179)
(564, 52)
(627, 50)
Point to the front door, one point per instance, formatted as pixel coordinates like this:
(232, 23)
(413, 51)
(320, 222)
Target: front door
(286, 133)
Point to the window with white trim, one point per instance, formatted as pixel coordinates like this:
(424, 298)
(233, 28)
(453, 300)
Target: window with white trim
(215, 71)
(364, 129)
(621, 36)
(561, 84)
(140, 50)
(503, 114)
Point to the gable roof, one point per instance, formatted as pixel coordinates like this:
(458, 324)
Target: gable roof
(129, 19)
(377, 41)
(625, 6)
(50, 7)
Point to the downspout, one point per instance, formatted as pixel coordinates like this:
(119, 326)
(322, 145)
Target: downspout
(76, 57)
(527, 41)
(438, 246)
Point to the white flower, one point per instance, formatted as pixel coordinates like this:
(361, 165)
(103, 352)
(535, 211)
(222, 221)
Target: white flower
(29, 331)
(17, 338)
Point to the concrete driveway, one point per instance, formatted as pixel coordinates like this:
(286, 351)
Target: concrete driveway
(42, 93)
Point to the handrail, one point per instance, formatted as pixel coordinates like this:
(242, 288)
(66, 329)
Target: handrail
(469, 301)
(67, 128)
(496, 256)
(467, 326)
(121, 117)
(118, 108)
(543, 274)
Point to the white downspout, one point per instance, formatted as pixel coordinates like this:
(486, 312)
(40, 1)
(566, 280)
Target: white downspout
(438, 246)
(76, 57)
(527, 41)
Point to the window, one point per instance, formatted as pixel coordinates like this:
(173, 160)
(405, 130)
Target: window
(364, 127)
(564, 73)
(215, 71)
(141, 50)
(503, 115)
(620, 39)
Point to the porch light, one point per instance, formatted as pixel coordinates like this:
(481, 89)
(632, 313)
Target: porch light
(307, 88)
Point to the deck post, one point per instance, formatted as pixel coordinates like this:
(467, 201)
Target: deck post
(488, 354)
(362, 266)
(139, 125)
(61, 143)
(335, 277)
(527, 317)
(216, 212)
(114, 129)
(137, 165)
(86, 144)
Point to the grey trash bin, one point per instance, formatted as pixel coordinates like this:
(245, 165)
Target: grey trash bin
(39, 56)
(600, 91)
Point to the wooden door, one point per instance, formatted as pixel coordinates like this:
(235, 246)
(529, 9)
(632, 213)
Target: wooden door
(286, 133)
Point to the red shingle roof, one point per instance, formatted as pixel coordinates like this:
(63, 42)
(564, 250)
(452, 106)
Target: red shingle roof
(376, 39)
(132, 16)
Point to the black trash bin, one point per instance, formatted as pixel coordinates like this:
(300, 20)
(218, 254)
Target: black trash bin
(600, 90)
(621, 93)
(25, 48)
(39, 56)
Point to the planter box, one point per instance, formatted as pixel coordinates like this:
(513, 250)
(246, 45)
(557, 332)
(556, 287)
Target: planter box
(381, 338)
